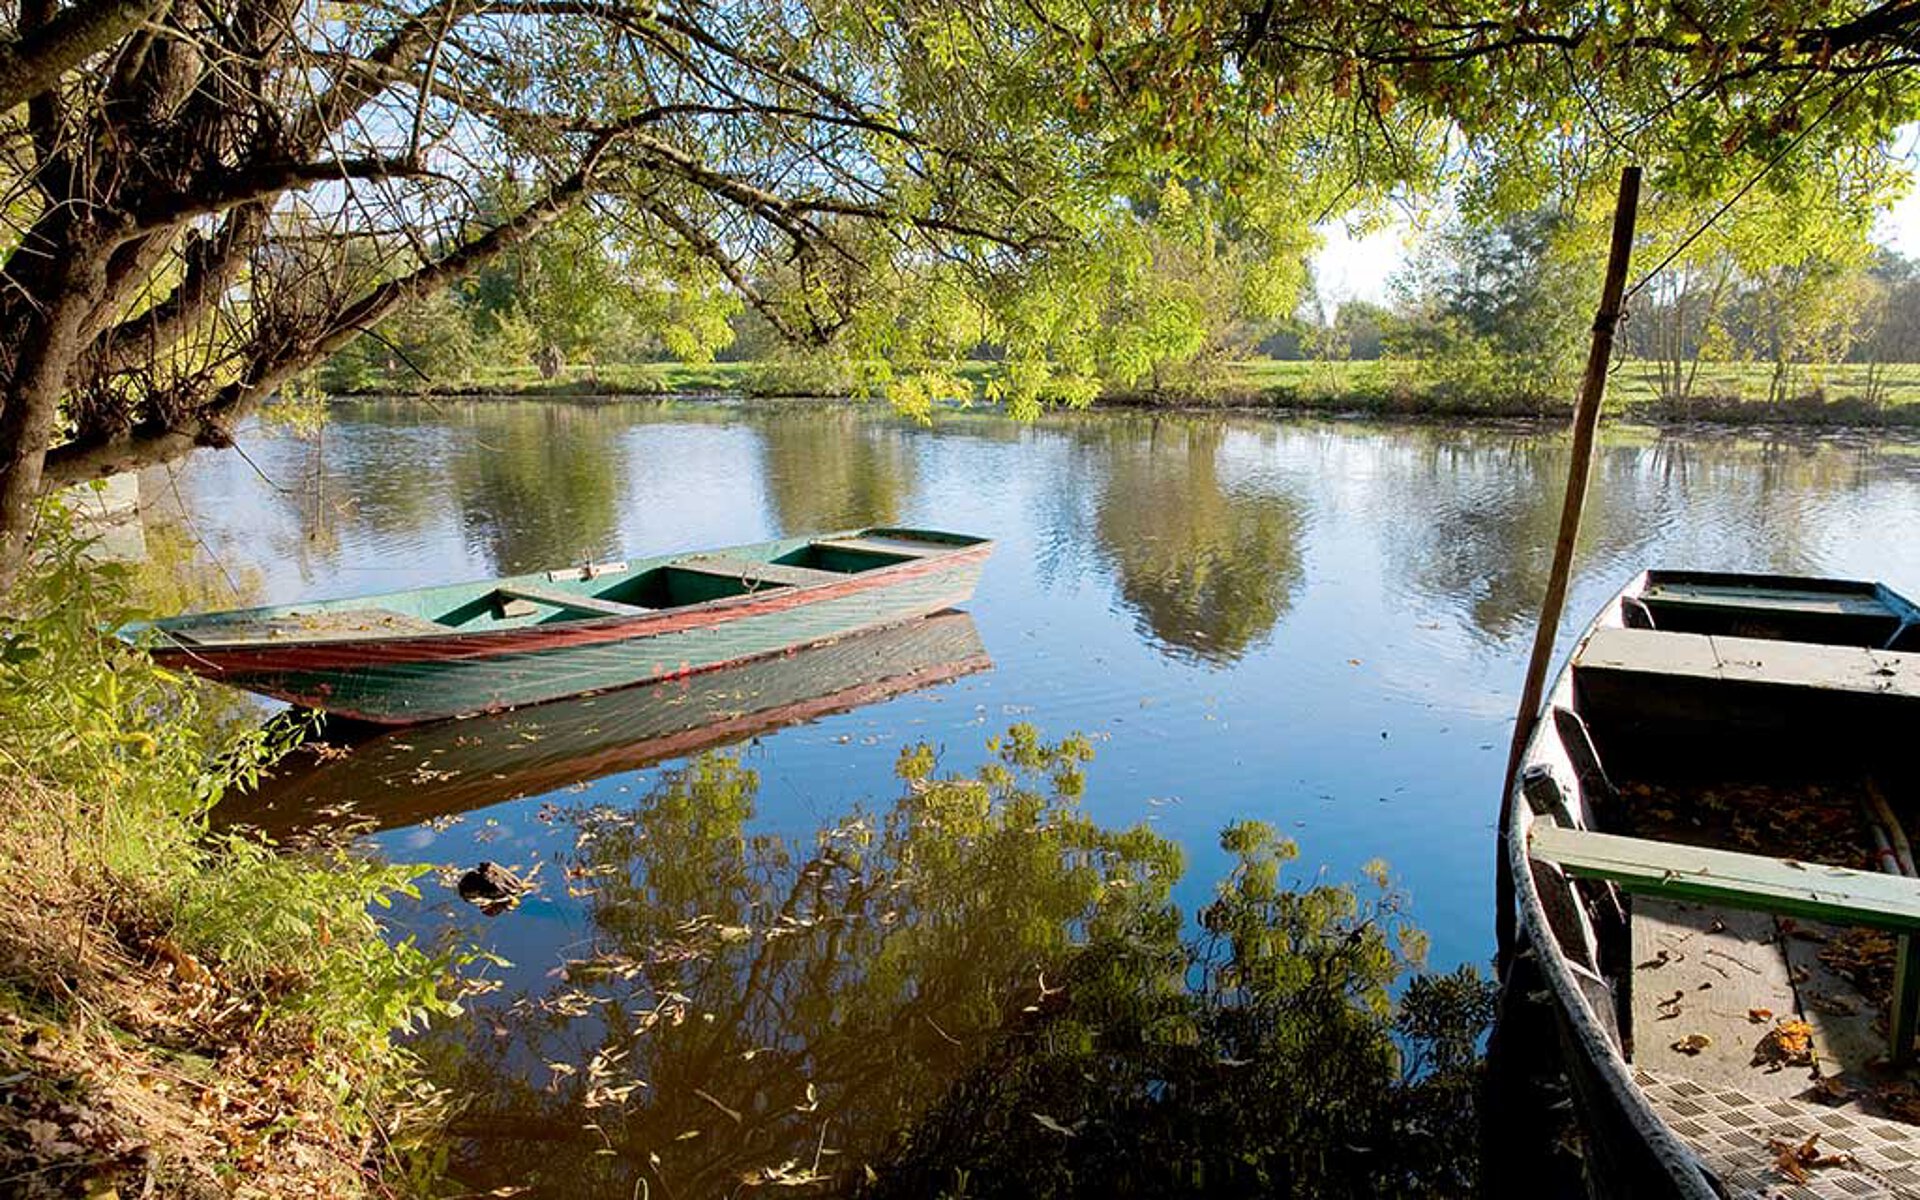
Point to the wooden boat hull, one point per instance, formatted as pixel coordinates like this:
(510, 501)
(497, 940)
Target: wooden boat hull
(408, 777)
(1742, 669)
(412, 676)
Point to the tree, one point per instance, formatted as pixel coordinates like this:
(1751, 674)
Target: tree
(193, 187)
(210, 199)
(1497, 307)
(1893, 335)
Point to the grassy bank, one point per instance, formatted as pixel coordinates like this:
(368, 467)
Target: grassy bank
(1735, 393)
(182, 1014)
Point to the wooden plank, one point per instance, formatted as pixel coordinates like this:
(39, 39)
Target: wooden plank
(1811, 890)
(1753, 660)
(752, 571)
(1751, 599)
(568, 600)
(880, 544)
(1650, 652)
(1704, 970)
(323, 625)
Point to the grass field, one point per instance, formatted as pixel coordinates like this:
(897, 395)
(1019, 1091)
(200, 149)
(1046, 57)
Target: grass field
(1842, 393)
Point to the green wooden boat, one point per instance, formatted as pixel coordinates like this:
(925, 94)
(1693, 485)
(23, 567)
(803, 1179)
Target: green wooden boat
(1715, 793)
(459, 649)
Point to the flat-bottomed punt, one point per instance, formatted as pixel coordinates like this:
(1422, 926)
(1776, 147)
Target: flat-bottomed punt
(1715, 886)
(460, 649)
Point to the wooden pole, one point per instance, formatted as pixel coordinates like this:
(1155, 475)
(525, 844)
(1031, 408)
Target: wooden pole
(1586, 416)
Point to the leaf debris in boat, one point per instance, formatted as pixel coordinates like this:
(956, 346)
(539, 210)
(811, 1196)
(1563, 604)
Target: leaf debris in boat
(1692, 1044)
(1798, 1162)
(1788, 1044)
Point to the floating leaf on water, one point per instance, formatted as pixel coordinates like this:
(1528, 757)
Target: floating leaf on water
(1048, 1123)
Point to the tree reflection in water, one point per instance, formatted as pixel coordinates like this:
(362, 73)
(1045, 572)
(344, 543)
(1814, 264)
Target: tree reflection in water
(1208, 569)
(979, 991)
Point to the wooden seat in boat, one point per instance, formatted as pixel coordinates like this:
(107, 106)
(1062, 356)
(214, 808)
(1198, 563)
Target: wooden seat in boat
(1778, 886)
(898, 547)
(554, 598)
(751, 571)
(1807, 601)
(1696, 656)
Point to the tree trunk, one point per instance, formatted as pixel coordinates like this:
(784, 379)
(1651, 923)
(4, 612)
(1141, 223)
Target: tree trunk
(48, 347)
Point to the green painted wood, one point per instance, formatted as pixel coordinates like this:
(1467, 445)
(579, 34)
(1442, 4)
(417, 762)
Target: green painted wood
(328, 625)
(727, 566)
(1775, 885)
(470, 607)
(417, 691)
(899, 547)
(558, 599)
(1764, 599)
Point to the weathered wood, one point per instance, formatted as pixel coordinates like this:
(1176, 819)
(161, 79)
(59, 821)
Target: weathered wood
(1814, 891)
(325, 625)
(568, 600)
(750, 571)
(478, 659)
(882, 544)
(1707, 971)
(1852, 669)
(1795, 600)
(1846, 1024)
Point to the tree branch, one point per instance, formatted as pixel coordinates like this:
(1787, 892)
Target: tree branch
(33, 64)
(159, 440)
(264, 182)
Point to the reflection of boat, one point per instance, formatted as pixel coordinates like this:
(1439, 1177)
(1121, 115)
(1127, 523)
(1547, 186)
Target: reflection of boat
(1708, 807)
(480, 647)
(404, 777)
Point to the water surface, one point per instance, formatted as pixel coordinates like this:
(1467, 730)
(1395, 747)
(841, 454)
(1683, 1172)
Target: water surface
(1317, 624)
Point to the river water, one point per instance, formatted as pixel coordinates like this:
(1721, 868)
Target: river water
(1317, 624)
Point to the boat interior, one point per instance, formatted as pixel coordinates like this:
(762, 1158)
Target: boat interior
(582, 593)
(1717, 811)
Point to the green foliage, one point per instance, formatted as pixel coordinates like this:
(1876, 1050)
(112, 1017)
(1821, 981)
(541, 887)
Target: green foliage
(128, 762)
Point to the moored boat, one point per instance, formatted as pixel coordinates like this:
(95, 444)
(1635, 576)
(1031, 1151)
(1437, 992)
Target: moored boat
(454, 650)
(1715, 886)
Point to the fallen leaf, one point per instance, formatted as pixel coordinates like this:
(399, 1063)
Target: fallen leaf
(1693, 1043)
(1788, 1044)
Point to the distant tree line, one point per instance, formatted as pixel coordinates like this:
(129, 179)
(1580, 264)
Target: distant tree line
(1493, 309)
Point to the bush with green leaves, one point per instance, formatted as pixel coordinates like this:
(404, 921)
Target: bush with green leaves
(119, 762)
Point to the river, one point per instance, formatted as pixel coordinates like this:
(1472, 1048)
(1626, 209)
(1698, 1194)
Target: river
(1318, 624)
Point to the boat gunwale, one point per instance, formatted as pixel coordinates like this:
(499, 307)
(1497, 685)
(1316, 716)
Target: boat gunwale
(1604, 1058)
(533, 638)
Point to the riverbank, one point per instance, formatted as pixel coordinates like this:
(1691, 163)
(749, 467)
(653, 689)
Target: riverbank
(182, 1014)
(1723, 393)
